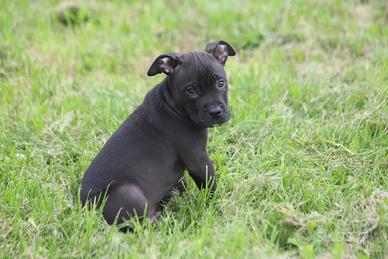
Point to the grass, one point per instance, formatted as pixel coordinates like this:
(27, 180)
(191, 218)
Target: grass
(302, 166)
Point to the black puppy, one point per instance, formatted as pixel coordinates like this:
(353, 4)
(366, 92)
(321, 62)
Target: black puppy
(145, 158)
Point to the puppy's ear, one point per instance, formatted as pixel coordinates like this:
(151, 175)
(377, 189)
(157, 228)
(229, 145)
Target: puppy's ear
(165, 63)
(220, 50)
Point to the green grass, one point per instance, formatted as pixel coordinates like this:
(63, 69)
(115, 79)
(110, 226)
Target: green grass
(302, 166)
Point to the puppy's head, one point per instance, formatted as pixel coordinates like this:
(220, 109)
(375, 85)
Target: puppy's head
(198, 81)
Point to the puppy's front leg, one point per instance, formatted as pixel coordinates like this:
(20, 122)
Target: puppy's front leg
(202, 171)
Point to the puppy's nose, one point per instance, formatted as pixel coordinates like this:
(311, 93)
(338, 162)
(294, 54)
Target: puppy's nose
(215, 111)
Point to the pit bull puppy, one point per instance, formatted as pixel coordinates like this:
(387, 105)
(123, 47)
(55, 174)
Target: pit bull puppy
(145, 158)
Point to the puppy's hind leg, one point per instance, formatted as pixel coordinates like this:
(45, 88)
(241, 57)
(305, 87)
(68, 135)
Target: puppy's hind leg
(179, 188)
(123, 202)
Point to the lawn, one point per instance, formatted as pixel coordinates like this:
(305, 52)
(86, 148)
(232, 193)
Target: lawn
(302, 165)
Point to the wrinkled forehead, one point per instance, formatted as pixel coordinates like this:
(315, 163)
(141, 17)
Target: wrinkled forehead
(199, 64)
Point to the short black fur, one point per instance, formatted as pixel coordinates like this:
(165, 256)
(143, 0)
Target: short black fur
(145, 158)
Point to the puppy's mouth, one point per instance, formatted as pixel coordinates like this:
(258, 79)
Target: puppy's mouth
(217, 123)
(210, 123)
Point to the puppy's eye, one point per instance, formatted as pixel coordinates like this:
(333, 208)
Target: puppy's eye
(221, 83)
(191, 91)
(214, 77)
